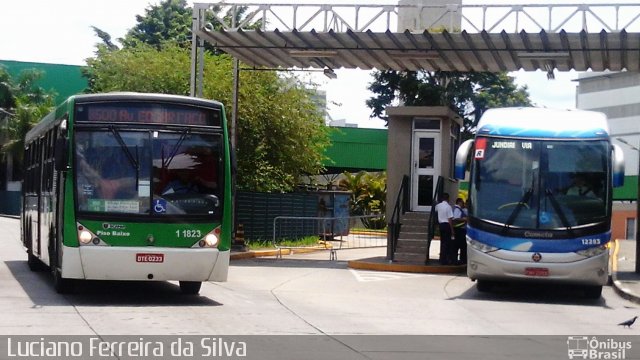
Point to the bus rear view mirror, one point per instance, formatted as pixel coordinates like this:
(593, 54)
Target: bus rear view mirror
(461, 159)
(618, 166)
(61, 154)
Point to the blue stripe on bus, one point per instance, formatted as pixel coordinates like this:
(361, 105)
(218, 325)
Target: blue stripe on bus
(537, 244)
(594, 133)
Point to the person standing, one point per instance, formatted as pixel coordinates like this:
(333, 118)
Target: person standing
(460, 231)
(445, 222)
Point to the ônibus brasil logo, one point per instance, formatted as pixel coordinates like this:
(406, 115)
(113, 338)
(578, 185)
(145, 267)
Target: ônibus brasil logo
(583, 347)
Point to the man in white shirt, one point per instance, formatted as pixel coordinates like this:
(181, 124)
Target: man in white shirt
(445, 221)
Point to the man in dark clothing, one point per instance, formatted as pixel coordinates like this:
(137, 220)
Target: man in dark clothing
(445, 217)
(460, 231)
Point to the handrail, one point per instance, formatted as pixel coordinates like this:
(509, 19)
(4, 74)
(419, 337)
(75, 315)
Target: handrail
(401, 206)
(433, 216)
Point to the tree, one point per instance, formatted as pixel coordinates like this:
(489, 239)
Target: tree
(28, 103)
(281, 134)
(469, 94)
(368, 196)
(170, 20)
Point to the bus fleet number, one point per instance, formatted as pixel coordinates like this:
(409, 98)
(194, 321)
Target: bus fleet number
(590, 241)
(188, 233)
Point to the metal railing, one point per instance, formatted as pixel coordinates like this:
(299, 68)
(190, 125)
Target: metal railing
(549, 17)
(332, 233)
(400, 207)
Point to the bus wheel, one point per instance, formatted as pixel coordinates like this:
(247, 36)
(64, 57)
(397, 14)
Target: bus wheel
(34, 263)
(190, 287)
(484, 285)
(60, 284)
(593, 292)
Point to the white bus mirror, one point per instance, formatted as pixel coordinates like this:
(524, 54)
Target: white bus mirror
(617, 164)
(461, 159)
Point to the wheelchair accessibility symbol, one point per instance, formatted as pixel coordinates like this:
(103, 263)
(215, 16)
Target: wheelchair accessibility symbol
(160, 206)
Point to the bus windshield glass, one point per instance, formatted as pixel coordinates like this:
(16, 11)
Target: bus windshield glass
(540, 184)
(147, 172)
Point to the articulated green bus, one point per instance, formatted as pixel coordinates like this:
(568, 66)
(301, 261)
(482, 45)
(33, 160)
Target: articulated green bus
(129, 186)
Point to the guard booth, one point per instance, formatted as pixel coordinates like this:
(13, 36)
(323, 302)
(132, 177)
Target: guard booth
(422, 143)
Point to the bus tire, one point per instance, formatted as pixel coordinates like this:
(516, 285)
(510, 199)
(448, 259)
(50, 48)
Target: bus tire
(484, 285)
(593, 292)
(190, 287)
(33, 262)
(60, 284)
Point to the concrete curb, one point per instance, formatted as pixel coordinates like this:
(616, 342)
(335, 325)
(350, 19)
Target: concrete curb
(266, 253)
(381, 264)
(619, 285)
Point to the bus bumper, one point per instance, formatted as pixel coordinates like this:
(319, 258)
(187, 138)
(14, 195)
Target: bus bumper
(132, 263)
(586, 271)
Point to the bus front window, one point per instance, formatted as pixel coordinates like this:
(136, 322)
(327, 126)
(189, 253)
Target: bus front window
(540, 184)
(110, 177)
(185, 173)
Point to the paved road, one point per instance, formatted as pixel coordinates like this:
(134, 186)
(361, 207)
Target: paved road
(301, 294)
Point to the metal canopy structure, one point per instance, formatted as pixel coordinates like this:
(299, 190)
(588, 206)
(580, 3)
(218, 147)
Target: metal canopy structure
(473, 38)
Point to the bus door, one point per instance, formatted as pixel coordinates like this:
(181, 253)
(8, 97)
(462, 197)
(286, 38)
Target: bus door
(425, 167)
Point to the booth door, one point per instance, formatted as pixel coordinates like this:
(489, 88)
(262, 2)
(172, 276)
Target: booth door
(425, 167)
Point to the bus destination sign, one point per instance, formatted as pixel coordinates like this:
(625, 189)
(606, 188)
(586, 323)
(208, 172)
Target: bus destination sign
(148, 114)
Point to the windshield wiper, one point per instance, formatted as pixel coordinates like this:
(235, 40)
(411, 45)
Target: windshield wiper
(133, 160)
(175, 149)
(558, 209)
(514, 214)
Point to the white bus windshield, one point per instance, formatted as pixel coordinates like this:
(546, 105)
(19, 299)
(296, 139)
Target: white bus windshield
(540, 184)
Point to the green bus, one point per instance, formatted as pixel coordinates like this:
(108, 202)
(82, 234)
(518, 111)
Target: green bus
(129, 186)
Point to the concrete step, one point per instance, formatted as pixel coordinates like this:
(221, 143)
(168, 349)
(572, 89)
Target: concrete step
(415, 216)
(422, 228)
(413, 222)
(413, 236)
(409, 258)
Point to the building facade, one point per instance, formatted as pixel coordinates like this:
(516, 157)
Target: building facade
(616, 95)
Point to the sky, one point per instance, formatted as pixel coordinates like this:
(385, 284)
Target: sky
(60, 32)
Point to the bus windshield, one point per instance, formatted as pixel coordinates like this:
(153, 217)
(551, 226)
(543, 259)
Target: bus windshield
(540, 184)
(147, 172)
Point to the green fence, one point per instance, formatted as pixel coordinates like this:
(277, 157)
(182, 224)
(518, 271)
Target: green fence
(256, 211)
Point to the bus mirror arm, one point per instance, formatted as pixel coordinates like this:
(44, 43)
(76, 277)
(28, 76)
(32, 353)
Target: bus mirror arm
(61, 154)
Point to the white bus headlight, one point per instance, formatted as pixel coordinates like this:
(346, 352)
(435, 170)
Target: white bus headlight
(482, 247)
(85, 237)
(594, 251)
(212, 239)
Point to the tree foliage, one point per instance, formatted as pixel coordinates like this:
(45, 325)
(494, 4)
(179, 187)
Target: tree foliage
(170, 20)
(468, 94)
(281, 134)
(28, 103)
(368, 196)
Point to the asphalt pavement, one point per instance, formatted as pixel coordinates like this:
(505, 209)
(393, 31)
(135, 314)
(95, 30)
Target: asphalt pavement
(625, 280)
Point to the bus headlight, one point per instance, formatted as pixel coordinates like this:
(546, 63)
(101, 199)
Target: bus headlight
(211, 239)
(594, 251)
(85, 237)
(482, 247)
